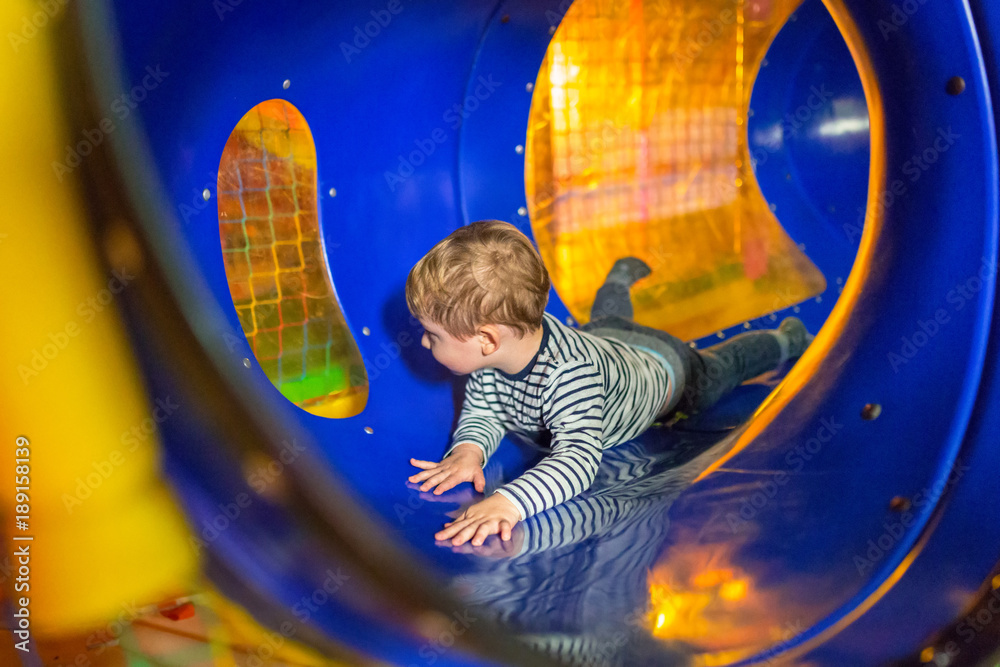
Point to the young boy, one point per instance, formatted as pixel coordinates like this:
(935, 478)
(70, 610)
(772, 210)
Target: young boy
(480, 295)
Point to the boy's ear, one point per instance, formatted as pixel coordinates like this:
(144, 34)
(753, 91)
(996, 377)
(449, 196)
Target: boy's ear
(489, 338)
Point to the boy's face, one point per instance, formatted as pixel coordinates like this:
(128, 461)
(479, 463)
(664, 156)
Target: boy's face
(461, 357)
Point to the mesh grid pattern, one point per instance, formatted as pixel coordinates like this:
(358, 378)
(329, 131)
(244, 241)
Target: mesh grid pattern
(276, 267)
(637, 146)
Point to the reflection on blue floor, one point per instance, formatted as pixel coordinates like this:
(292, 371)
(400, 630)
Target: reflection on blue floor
(573, 580)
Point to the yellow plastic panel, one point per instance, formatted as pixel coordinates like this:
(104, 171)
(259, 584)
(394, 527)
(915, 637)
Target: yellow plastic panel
(637, 146)
(107, 535)
(273, 254)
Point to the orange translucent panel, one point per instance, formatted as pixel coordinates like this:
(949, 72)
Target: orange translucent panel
(275, 265)
(637, 146)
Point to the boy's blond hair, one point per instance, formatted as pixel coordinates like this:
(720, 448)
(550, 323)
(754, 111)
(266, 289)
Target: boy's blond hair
(487, 272)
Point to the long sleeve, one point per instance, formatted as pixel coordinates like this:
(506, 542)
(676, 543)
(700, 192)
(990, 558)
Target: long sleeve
(575, 521)
(572, 411)
(477, 423)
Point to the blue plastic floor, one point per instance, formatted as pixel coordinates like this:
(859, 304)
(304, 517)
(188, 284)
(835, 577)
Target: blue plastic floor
(573, 580)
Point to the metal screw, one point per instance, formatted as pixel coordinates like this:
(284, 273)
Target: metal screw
(333, 192)
(871, 411)
(521, 211)
(366, 331)
(955, 85)
(899, 504)
(286, 84)
(246, 362)
(206, 194)
(519, 149)
(369, 430)
(529, 86)
(122, 248)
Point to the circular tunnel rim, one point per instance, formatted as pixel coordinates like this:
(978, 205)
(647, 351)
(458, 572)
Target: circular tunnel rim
(237, 396)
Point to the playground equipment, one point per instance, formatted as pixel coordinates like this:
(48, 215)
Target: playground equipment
(849, 518)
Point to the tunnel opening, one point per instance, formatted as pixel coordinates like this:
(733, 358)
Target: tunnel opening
(673, 132)
(276, 266)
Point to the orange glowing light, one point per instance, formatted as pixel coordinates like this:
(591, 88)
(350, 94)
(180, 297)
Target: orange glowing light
(637, 146)
(272, 251)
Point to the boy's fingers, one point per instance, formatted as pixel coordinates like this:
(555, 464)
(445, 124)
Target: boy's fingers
(466, 533)
(484, 531)
(448, 484)
(423, 464)
(505, 531)
(447, 532)
(479, 481)
(420, 476)
(434, 480)
(451, 529)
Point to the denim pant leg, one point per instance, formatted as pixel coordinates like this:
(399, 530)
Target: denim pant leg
(705, 375)
(702, 377)
(723, 367)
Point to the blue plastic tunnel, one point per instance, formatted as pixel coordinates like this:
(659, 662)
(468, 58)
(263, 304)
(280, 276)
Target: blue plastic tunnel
(848, 505)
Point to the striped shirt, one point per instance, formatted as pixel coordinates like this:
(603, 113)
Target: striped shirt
(590, 393)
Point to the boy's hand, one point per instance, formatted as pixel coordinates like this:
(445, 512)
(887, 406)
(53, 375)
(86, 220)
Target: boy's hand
(464, 464)
(495, 515)
(495, 547)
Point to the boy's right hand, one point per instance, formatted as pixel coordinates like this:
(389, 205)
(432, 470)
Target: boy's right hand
(464, 464)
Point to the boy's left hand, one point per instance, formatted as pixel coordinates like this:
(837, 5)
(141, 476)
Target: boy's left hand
(494, 515)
